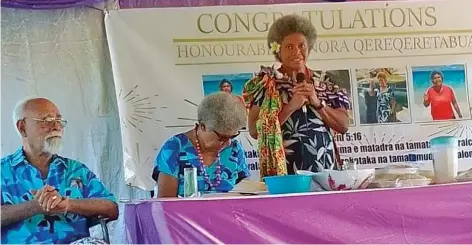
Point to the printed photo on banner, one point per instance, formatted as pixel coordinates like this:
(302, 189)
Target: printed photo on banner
(231, 83)
(342, 78)
(440, 93)
(383, 95)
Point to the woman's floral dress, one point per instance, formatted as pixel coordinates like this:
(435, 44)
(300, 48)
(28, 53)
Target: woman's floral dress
(384, 104)
(303, 142)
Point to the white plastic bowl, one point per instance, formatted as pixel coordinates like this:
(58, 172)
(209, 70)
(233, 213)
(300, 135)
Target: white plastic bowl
(334, 180)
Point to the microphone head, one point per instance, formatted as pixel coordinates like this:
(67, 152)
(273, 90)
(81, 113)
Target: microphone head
(300, 77)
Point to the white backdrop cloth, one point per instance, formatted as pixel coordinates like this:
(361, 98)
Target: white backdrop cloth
(165, 60)
(63, 55)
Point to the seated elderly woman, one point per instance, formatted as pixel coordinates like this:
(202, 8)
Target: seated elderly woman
(210, 147)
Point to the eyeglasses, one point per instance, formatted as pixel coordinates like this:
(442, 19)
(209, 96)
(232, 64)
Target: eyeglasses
(49, 121)
(224, 138)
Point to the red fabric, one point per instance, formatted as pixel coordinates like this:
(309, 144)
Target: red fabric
(441, 103)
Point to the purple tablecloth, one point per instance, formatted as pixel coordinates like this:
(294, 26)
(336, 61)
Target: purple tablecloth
(439, 214)
(127, 4)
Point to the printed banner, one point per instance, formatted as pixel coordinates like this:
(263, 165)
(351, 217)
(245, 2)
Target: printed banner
(387, 55)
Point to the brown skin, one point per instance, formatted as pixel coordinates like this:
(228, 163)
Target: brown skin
(293, 55)
(210, 145)
(437, 82)
(35, 133)
(47, 200)
(437, 85)
(226, 87)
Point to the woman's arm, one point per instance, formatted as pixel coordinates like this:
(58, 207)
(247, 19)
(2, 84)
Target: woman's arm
(393, 103)
(372, 87)
(166, 169)
(285, 113)
(456, 106)
(295, 103)
(167, 185)
(426, 100)
(252, 118)
(394, 106)
(337, 119)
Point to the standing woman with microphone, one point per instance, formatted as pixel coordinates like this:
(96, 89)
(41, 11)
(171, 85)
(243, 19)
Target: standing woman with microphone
(293, 110)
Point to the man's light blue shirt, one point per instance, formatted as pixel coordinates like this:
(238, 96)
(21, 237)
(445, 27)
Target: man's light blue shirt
(71, 179)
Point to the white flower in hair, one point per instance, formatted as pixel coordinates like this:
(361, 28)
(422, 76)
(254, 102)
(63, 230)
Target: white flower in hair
(274, 47)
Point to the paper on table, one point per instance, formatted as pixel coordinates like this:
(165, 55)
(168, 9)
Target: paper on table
(248, 186)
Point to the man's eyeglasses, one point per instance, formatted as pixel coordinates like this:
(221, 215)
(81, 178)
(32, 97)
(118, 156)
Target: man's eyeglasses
(49, 121)
(224, 138)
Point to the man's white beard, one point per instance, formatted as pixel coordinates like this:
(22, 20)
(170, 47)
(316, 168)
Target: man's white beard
(52, 145)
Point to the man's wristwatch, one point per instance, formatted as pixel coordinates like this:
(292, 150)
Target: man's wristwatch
(321, 106)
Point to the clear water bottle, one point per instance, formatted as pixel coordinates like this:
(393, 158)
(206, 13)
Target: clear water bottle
(445, 159)
(190, 182)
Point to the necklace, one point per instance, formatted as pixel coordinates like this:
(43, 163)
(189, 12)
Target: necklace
(202, 166)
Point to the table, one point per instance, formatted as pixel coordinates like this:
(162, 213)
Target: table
(426, 215)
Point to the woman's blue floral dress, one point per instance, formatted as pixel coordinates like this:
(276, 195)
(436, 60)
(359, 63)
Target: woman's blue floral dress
(178, 152)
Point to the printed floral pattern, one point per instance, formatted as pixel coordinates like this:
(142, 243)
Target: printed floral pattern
(303, 142)
(179, 152)
(384, 104)
(271, 152)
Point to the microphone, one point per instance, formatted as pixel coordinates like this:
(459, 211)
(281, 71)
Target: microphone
(300, 79)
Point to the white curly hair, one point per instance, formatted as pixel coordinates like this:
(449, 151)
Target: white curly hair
(222, 112)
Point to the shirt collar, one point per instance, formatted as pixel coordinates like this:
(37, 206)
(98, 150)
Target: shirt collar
(440, 90)
(19, 157)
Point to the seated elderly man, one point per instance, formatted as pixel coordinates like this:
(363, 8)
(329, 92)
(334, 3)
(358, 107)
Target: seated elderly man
(210, 147)
(47, 198)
